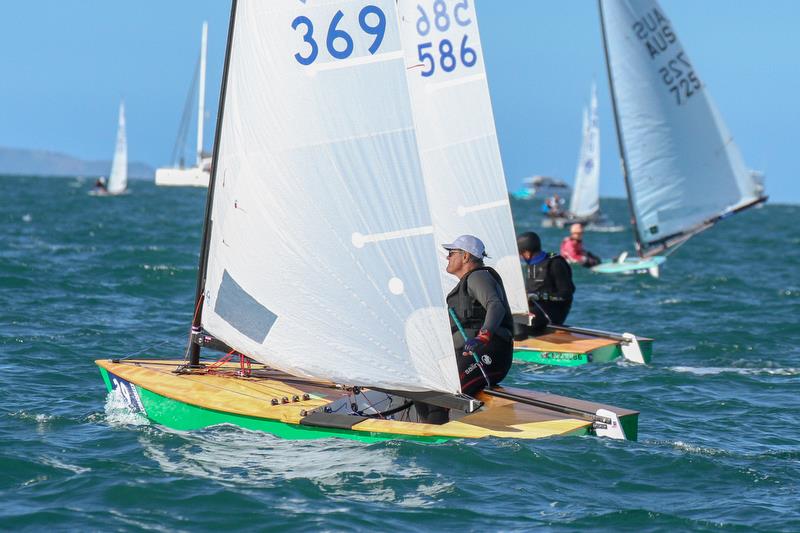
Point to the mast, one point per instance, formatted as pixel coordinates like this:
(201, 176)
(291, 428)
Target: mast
(193, 350)
(201, 95)
(620, 142)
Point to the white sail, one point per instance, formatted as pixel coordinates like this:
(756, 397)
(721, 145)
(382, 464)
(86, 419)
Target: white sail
(585, 201)
(684, 167)
(458, 145)
(322, 258)
(118, 179)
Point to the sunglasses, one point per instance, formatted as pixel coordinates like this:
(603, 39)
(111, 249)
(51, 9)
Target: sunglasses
(451, 252)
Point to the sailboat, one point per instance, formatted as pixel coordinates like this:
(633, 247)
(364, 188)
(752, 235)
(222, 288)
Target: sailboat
(683, 171)
(197, 175)
(118, 179)
(584, 206)
(320, 274)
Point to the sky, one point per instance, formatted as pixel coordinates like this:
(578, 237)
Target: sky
(66, 64)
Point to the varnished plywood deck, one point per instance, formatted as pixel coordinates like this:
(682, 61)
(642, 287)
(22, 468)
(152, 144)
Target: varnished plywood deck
(563, 341)
(253, 396)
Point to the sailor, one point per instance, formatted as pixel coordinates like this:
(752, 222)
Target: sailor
(572, 248)
(554, 206)
(548, 281)
(480, 304)
(100, 184)
(481, 310)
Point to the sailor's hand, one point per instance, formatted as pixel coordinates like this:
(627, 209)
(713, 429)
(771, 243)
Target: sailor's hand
(482, 338)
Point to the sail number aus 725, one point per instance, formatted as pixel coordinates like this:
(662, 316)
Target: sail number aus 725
(338, 42)
(679, 76)
(440, 19)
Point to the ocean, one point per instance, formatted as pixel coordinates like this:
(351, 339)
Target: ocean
(83, 278)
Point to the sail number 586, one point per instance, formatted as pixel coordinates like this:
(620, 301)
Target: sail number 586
(440, 19)
(447, 57)
(338, 42)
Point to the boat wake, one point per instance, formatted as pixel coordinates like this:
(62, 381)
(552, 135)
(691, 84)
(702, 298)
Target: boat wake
(714, 370)
(118, 413)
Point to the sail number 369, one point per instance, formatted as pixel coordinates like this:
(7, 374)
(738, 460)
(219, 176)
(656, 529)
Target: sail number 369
(441, 20)
(338, 42)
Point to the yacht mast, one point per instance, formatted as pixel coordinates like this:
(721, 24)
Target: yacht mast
(201, 97)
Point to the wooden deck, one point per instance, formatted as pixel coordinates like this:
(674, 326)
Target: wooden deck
(262, 396)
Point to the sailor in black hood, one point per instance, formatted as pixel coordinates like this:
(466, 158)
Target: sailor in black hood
(548, 281)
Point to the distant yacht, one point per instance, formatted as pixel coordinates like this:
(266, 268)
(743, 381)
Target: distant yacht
(197, 175)
(541, 187)
(118, 179)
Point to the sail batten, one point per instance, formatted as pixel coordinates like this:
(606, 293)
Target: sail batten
(683, 168)
(322, 260)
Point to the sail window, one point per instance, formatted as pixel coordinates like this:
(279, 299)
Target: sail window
(242, 311)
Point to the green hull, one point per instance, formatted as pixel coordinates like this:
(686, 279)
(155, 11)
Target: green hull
(291, 408)
(182, 416)
(600, 355)
(630, 265)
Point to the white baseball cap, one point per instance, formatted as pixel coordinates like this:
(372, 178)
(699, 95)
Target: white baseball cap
(468, 243)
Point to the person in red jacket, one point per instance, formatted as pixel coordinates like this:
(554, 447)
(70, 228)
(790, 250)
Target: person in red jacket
(572, 248)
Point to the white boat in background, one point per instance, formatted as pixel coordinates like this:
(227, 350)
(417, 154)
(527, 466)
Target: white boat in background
(584, 205)
(585, 202)
(541, 187)
(197, 175)
(683, 171)
(118, 179)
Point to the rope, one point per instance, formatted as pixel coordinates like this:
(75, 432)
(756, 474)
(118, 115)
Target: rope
(137, 352)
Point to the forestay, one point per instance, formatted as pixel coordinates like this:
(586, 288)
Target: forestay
(458, 145)
(684, 168)
(118, 179)
(322, 258)
(585, 201)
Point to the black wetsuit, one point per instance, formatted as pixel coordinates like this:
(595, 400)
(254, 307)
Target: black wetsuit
(550, 289)
(479, 301)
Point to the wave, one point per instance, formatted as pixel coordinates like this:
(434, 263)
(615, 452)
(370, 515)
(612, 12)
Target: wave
(714, 370)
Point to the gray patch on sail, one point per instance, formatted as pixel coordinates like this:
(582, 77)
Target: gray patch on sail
(242, 311)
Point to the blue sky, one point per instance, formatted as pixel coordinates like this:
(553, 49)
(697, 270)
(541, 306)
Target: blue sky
(66, 63)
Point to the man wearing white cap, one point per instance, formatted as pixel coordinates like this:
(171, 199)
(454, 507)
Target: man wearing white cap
(481, 308)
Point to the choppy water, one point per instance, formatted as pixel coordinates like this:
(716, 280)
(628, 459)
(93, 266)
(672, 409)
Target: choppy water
(84, 278)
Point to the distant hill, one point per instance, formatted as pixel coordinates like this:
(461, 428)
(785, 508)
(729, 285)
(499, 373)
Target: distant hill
(21, 162)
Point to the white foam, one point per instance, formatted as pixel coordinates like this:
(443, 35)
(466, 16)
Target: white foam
(714, 370)
(64, 466)
(119, 413)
